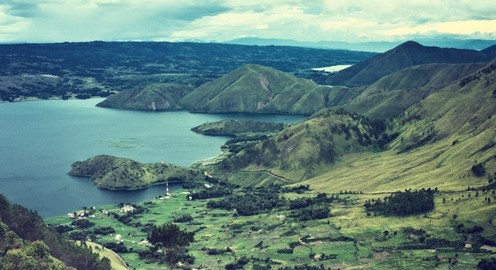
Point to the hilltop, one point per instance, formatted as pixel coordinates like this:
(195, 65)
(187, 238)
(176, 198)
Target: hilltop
(405, 55)
(153, 97)
(260, 89)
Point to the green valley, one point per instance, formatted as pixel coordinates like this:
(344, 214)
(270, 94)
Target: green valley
(394, 168)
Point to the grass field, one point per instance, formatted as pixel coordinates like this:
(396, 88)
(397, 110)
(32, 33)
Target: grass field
(348, 239)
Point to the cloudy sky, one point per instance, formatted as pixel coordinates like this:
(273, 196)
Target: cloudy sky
(223, 20)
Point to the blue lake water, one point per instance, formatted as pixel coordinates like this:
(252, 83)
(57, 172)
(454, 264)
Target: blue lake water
(40, 140)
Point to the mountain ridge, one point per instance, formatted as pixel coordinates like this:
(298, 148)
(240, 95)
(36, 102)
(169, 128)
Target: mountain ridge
(258, 89)
(405, 55)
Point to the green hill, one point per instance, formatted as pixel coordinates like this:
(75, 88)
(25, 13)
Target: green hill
(125, 174)
(394, 93)
(303, 150)
(405, 55)
(236, 127)
(259, 89)
(153, 97)
(439, 140)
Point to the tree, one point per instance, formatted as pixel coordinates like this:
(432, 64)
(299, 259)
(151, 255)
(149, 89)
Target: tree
(478, 169)
(170, 235)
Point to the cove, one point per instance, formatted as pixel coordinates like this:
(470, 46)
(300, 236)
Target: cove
(39, 140)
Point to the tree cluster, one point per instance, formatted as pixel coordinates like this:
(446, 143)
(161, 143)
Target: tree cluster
(311, 208)
(170, 235)
(214, 192)
(251, 201)
(487, 264)
(403, 203)
(169, 245)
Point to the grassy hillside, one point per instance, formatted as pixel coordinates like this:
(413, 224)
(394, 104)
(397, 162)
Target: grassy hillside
(396, 92)
(259, 89)
(405, 55)
(303, 150)
(439, 140)
(125, 174)
(153, 97)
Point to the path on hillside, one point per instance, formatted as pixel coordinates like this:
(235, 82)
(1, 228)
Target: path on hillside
(282, 178)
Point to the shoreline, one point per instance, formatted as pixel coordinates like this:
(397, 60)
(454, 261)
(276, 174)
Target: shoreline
(30, 99)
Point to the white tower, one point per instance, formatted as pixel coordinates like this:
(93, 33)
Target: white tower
(167, 188)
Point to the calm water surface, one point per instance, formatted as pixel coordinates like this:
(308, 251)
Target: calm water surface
(40, 140)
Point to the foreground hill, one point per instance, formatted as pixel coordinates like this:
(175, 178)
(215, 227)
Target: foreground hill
(125, 174)
(153, 97)
(405, 55)
(396, 92)
(27, 243)
(260, 89)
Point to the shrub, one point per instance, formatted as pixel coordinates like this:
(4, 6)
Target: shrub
(479, 170)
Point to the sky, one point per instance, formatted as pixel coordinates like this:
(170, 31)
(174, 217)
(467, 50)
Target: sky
(224, 20)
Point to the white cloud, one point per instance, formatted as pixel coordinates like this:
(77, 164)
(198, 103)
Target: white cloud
(82, 20)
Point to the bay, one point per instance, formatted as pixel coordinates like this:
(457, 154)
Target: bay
(39, 140)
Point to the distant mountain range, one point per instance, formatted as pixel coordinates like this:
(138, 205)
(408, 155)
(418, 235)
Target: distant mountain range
(85, 69)
(373, 46)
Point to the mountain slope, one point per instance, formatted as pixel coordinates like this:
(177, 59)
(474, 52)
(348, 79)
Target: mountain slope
(405, 55)
(303, 150)
(258, 89)
(154, 97)
(394, 93)
(439, 141)
(26, 242)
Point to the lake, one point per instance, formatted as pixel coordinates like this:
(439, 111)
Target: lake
(39, 140)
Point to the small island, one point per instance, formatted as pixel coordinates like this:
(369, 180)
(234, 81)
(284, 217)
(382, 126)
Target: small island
(115, 173)
(236, 128)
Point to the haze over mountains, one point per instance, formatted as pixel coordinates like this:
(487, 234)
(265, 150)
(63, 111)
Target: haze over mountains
(373, 46)
(405, 55)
